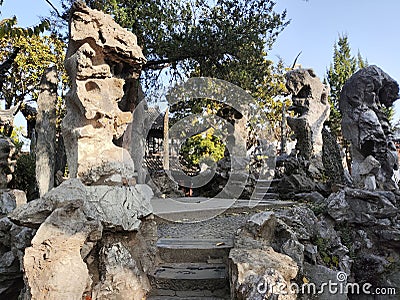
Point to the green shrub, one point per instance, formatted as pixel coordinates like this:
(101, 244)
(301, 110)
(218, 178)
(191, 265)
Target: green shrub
(24, 177)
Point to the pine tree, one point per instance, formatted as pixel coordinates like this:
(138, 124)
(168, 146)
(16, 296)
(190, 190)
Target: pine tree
(344, 65)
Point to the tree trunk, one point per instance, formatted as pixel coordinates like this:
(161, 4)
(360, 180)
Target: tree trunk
(166, 141)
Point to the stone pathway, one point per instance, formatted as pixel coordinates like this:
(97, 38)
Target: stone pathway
(195, 257)
(195, 254)
(196, 209)
(221, 227)
(191, 269)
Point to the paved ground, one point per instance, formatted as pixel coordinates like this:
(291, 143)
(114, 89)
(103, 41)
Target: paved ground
(221, 227)
(197, 209)
(209, 219)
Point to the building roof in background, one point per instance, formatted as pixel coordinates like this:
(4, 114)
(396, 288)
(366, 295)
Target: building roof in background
(154, 114)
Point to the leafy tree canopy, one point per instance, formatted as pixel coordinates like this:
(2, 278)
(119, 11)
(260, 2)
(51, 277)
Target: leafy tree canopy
(222, 39)
(24, 55)
(9, 28)
(21, 81)
(202, 38)
(201, 147)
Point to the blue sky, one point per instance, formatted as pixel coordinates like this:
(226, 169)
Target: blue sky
(372, 27)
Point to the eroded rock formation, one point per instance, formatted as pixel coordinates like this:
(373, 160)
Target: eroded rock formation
(95, 233)
(13, 240)
(277, 249)
(71, 219)
(338, 234)
(118, 207)
(311, 106)
(304, 167)
(256, 266)
(46, 131)
(369, 223)
(365, 124)
(103, 61)
(54, 263)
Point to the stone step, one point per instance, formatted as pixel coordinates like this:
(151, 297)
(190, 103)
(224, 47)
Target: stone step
(186, 298)
(272, 182)
(268, 196)
(177, 250)
(189, 277)
(262, 188)
(193, 294)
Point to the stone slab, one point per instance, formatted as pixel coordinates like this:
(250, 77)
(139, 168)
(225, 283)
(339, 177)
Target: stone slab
(189, 276)
(194, 250)
(196, 209)
(173, 243)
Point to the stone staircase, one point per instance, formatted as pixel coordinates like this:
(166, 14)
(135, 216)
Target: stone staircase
(192, 269)
(267, 189)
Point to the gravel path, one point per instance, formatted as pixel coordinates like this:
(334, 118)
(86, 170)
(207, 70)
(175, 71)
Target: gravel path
(221, 227)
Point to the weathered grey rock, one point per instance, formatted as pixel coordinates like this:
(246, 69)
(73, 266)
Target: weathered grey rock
(258, 232)
(122, 277)
(310, 253)
(103, 62)
(259, 273)
(296, 183)
(301, 220)
(262, 225)
(369, 166)
(13, 240)
(11, 199)
(314, 243)
(370, 183)
(164, 186)
(319, 275)
(313, 197)
(311, 106)
(7, 160)
(306, 238)
(35, 212)
(366, 126)
(361, 206)
(117, 207)
(7, 117)
(53, 266)
(135, 137)
(232, 170)
(295, 250)
(376, 269)
(46, 131)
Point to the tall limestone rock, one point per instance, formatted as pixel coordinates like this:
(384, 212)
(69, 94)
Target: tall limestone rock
(96, 234)
(103, 61)
(46, 131)
(311, 107)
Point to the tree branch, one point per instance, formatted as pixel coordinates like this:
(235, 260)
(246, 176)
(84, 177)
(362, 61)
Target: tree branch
(55, 9)
(295, 60)
(8, 62)
(7, 65)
